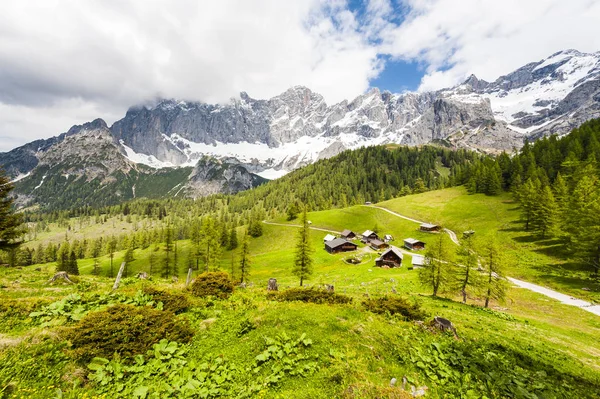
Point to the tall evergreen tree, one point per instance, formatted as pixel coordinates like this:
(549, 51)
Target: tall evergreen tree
(9, 220)
(546, 213)
(233, 239)
(493, 262)
(467, 276)
(166, 271)
(303, 264)
(62, 257)
(244, 259)
(72, 267)
(437, 271)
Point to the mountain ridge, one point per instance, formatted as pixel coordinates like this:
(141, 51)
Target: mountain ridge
(271, 137)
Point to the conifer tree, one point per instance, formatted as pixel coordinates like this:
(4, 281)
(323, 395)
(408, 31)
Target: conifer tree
(166, 271)
(493, 262)
(111, 245)
(233, 239)
(9, 220)
(437, 271)
(244, 259)
(62, 257)
(127, 259)
(72, 267)
(303, 262)
(527, 197)
(546, 213)
(467, 276)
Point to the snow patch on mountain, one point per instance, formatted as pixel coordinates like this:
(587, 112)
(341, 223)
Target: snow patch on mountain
(148, 160)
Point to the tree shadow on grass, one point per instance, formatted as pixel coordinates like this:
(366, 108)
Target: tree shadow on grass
(512, 226)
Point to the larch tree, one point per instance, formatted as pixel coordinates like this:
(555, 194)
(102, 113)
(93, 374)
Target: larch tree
(166, 271)
(62, 257)
(492, 260)
(303, 264)
(244, 259)
(467, 276)
(9, 220)
(438, 268)
(546, 213)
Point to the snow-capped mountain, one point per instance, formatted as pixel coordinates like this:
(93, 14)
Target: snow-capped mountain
(272, 137)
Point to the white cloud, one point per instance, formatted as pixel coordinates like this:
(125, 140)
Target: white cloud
(489, 38)
(66, 61)
(109, 53)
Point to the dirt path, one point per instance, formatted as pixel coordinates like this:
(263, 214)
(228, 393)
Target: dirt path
(563, 298)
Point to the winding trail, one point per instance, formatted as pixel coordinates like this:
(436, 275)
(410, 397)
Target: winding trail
(563, 298)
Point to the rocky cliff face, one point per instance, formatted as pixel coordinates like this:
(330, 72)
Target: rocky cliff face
(87, 166)
(297, 127)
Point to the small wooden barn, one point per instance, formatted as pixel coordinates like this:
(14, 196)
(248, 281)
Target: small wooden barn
(413, 244)
(348, 234)
(339, 245)
(430, 228)
(418, 260)
(329, 237)
(388, 238)
(392, 257)
(377, 244)
(369, 235)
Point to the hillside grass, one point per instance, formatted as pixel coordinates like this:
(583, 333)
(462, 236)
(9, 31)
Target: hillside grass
(541, 261)
(355, 348)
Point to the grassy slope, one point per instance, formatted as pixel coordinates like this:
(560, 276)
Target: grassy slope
(540, 261)
(563, 336)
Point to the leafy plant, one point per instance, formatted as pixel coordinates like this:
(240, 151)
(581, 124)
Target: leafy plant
(74, 307)
(312, 295)
(282, 356)
(164, 371)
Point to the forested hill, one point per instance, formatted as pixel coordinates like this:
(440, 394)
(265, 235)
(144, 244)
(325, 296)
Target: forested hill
(352, 177)
(557, 183)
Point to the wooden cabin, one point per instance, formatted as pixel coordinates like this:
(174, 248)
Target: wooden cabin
(413, 245)
(430, 228)
(369, 235)
(340, 245)
(418, 261)
(377, 244)
(388, 238)
(348, 234)
(329, 237)
(392, 257)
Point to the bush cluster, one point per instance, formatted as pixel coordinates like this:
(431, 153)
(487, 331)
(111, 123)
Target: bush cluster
(311, 295)
(217, 284)
(125, 330)
(172, 301)
(395, 305)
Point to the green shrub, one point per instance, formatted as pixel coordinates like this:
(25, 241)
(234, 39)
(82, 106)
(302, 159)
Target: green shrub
(126, 330)
(14, 313)
(215, 284)
(311, 295)
(172, 301)
(395, 305)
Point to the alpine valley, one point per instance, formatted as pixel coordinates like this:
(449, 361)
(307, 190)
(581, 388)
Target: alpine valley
(182, 148)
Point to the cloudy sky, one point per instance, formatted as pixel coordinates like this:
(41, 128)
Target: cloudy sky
(65, 62)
